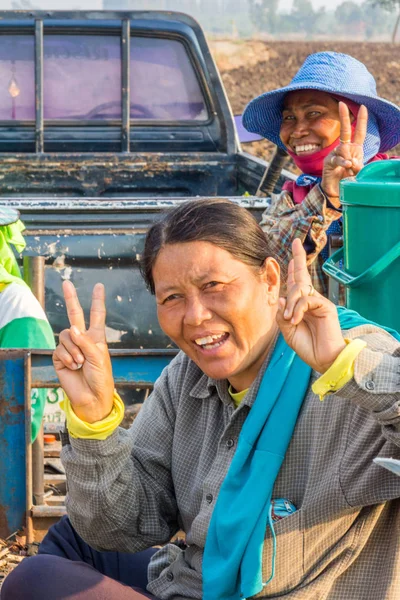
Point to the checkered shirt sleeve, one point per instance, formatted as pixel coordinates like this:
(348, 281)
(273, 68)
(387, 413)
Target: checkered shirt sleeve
(283, 221)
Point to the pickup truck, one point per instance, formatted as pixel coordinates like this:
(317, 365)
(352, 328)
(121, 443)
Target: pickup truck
(106, 119)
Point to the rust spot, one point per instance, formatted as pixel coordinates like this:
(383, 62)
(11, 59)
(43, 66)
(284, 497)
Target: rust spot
(3, 407)
(6, 408)
(4, 528)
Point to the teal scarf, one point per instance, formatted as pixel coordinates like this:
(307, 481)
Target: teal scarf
(232, 562)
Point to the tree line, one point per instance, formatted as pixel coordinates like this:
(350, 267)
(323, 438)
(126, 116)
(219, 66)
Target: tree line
(370, 20)
(243, 18)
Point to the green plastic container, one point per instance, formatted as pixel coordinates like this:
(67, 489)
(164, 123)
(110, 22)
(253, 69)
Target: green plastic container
(368, 265)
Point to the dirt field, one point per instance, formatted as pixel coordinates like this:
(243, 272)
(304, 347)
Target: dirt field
(251, 67)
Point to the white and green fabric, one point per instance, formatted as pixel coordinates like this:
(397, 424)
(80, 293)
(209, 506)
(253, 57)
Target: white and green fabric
(23, 323)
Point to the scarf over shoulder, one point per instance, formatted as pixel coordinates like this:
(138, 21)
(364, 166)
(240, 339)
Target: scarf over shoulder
(232, 562)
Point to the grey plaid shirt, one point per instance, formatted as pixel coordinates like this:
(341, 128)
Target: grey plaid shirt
(139, 487)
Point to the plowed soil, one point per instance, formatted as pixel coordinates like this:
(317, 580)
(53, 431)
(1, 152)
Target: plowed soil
(249, 68)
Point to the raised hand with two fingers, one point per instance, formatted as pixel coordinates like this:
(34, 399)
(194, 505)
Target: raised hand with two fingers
(347, 159)
(308, 321)
(82, 361)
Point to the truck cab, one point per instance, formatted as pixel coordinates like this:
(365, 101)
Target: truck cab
(107, 118)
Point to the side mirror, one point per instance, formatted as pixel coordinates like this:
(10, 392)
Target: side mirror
(389, 463)
(244, 135)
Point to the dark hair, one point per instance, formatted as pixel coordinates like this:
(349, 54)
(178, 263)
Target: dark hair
(215, 220)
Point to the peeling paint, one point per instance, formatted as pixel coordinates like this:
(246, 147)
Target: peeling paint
(67, 273)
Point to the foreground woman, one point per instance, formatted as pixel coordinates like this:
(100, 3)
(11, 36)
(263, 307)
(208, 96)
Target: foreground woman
(276, 491)
(331, 122)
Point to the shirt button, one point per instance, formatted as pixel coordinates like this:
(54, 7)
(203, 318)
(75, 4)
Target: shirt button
(230, 443)
(170, 576)
(209, 498)
(370, 385)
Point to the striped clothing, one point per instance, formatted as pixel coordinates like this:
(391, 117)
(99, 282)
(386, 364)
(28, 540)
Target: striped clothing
(23, 324)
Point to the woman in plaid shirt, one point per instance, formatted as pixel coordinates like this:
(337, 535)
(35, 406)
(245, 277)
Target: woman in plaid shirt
(331, 122)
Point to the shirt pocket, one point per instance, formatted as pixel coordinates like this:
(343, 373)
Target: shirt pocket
(330, 544)
(289, 567)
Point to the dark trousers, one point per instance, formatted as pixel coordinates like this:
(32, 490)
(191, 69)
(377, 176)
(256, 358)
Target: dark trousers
(67, 568)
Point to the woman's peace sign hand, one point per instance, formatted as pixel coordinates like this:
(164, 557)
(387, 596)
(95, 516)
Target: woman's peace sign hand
(308, 321)
(347, 159)
(81, 359)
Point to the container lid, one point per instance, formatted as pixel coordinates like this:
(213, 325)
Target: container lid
(377, 184)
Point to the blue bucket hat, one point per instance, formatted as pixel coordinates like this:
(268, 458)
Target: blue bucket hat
(338, 74)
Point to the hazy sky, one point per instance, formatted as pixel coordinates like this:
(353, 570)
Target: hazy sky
(284, 5)
(328, 4)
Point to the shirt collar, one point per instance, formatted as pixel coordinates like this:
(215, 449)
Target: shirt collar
(206, 386)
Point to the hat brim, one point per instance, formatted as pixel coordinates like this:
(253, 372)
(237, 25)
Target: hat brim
(263, 114)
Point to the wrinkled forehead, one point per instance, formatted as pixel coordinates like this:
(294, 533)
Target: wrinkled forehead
(304, 98)
(195, 263)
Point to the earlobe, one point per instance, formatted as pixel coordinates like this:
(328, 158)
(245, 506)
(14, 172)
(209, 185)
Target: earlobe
(272, 279)
(272, 298)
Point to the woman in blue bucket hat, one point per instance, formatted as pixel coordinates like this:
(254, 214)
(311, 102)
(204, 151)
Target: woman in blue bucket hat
(332, 122)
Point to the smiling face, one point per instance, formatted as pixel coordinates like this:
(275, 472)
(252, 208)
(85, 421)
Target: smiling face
(218, 310)
(310, 121)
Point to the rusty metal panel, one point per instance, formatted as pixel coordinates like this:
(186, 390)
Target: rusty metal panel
(131, 368)
(117, 175)
(14, 430)
(94, 240)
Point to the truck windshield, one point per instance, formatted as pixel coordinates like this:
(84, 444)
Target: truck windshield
(82, 79)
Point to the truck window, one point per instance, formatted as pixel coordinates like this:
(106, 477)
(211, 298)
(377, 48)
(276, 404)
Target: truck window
(82, 77)
(17, 77)
(164, 85)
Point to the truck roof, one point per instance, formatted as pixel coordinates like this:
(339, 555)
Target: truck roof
(74, 81)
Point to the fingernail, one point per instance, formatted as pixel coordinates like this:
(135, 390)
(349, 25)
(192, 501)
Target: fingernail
(80, 358)
(286, 313)
(75, 330)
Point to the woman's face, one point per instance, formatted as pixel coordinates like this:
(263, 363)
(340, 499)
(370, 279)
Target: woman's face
(218, 310)
(310, 121)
